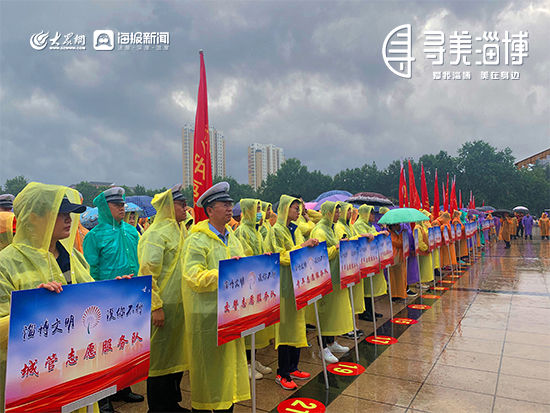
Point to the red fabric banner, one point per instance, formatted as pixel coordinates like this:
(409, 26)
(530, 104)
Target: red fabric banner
(202, 162)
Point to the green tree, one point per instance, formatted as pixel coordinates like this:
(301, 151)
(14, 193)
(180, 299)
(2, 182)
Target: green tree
(15, 185)
(89, 192)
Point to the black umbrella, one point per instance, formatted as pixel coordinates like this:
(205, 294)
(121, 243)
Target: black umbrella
(501, 212)
(486, 208)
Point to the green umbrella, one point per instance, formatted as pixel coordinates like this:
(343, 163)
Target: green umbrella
(400, 215)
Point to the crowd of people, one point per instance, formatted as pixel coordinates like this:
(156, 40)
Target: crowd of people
(43, 245)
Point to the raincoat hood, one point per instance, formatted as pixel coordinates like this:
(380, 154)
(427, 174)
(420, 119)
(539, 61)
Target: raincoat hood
(36, 208)
(104, 215)
(249, 208)
(284, 206)
(327, 211)
(164, 205)
(266, 206)
(344, 208)
(364, 213)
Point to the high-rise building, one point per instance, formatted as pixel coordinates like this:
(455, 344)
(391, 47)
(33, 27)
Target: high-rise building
(217, 153)
(262, 161)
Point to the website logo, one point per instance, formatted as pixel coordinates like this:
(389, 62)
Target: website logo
(39, 41)
(104, 40)
(398, 56)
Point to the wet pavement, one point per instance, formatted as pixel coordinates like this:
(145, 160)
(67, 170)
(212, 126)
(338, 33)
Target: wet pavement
(483, 346)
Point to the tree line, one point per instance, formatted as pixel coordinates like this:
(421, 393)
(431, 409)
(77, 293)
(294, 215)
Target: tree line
(489, 172)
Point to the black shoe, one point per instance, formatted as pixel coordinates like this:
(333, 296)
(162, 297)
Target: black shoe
(351, 336)
(366, 317)
(130, 397)
(105, 406)
(310, 327)
(378, 315)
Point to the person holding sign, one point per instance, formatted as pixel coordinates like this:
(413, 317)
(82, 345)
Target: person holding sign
(344, 230)
(424, 254)
(290, 333)
(461, 247)
(448, 254)
(365, 225)
(218, 374)
(252, 242)
(42, 254)
(160, 251)
(334, 309)
(398, 271)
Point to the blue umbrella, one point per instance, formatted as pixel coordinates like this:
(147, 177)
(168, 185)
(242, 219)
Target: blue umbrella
(329, 193)
(89, 218)
(131, 207)
(144, 202)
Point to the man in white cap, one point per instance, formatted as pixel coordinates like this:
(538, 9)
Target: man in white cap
(111, 250)
(218, 374)
(7, 220)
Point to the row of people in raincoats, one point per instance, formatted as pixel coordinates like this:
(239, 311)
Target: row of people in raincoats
(184, 268)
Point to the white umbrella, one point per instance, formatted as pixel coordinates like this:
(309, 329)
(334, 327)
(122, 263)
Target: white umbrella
(520, 209)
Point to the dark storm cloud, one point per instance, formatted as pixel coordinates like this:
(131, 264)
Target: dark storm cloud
(307, 76)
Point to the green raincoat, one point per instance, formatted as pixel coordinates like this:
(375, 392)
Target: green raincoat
(218, 375)
(110, 247)
(291, 331)
(252, 242)
(160, 252)
(334, 308)
(363, 226)
(343, 229)
(27, 262)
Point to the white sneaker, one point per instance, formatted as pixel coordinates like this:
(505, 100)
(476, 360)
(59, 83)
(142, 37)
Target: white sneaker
(258, 374)
(328, 356)
(337, 348)
(263, 369)
(425, 287)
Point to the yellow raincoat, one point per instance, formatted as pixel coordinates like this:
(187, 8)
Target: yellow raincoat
(304, 226)
(27, 262)
(291, 331)
(6, 229)
(343, 229)
(218, 374)
(425, 257)
(160, 251)
(435, 252)
(252, 242)
(334, 309)
(363, 226)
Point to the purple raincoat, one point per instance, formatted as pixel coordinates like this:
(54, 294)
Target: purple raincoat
(527, 221)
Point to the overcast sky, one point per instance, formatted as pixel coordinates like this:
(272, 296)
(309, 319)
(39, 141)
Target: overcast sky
(307, 76)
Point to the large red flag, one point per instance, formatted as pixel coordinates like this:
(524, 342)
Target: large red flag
(446, 198)
(202, 163)
(414, 199)
(435, 213)
(424, 190)
(454, 205)
(403, 202)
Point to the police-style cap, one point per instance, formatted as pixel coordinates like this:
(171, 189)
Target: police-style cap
(177, 194)
(6, 201)
(67, 206)
(114, 194)
(217, 193)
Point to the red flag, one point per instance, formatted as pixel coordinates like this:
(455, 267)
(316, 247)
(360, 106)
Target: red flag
(414, 199)
(454, 205)
(403, 202)
(424, 190)
(435, 213)
(483, 203)
(446, 199)
(202, 163)
(460, 196)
